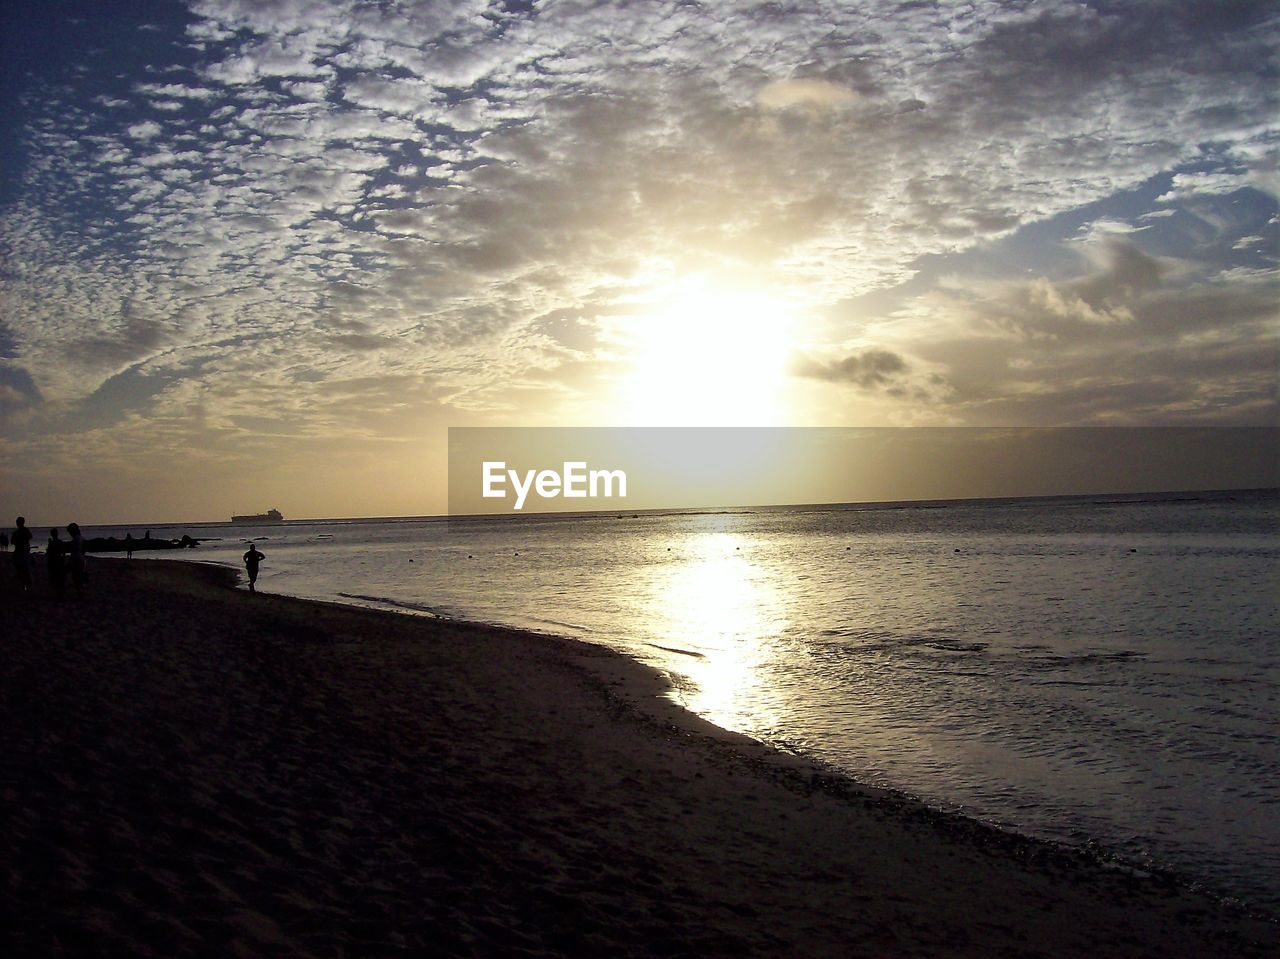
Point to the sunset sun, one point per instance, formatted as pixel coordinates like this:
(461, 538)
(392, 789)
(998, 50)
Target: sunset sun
(707, 355)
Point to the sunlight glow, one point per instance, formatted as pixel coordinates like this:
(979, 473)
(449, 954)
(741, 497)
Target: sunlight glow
(721, 602)
(707, 355)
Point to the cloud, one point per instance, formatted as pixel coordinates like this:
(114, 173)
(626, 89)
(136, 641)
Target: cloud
(397, 192)
(1128, 341)
(807, 93)
(18, 391)
(287, 56)
(135, 337)
(1051, 301)
(174, 91)
(1188, 185)
(408, 97)
(147, 130)
(868, 370)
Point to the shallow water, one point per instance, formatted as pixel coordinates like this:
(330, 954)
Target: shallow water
(1087, 672)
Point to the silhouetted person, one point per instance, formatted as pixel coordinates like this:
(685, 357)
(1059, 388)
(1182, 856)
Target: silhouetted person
(75, 551)
(128, 546)
(251, 560)
(21, 540)
(56, 560)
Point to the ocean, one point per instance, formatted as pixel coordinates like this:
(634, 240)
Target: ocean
(1095, 671)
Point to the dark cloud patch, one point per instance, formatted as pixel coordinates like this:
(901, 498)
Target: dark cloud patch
(1085, 307)
(136, 337)
(130, 391)
(1089, 42)
(1126, 344)
(1237, 314)
(8, 346)
(1131, 303)
(1172, 387)
(17, 391)
(868, 370)
(1129, 273)
(1238, 232)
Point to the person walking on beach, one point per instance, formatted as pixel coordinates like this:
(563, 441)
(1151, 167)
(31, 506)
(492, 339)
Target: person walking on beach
(128, 546)
(56, 561)
(21, 540)
(251, 560)
(79, 575)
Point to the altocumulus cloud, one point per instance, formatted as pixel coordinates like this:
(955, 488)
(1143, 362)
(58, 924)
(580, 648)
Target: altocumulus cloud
(358, 193)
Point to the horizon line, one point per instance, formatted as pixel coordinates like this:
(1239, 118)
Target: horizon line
(1130, 496)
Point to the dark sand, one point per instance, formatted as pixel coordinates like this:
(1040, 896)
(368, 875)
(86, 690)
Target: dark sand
(191, 770)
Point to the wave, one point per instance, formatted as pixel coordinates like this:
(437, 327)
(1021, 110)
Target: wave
(398, 604)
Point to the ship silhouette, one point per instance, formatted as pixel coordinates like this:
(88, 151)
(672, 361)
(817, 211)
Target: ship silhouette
(259, 519)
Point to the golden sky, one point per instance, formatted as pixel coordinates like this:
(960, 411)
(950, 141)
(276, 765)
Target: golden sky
(267, 253)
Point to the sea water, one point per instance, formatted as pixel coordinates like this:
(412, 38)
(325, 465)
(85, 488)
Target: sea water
(1098, 671)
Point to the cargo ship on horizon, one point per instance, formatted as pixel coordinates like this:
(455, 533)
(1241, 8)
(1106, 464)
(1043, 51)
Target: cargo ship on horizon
(259, 519)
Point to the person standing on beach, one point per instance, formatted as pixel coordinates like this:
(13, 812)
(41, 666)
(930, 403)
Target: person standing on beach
(128, 546)
(21, 540)
(79, 575)
(56, 561)
(251, 560)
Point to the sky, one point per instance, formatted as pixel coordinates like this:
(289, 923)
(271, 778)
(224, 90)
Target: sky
(266, 253)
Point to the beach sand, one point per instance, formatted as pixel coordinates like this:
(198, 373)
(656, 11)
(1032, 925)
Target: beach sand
(194, 770)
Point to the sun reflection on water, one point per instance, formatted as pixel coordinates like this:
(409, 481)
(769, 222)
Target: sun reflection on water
(731, 610)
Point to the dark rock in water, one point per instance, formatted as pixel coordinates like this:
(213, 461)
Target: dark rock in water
(113, 544)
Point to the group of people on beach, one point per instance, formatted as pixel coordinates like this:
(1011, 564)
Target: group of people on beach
(66, 558)
(62, 558)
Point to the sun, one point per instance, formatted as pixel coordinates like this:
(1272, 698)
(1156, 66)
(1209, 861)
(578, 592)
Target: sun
(701, 354)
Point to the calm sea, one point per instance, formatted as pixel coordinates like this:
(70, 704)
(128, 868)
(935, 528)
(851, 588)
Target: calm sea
(1092, 671)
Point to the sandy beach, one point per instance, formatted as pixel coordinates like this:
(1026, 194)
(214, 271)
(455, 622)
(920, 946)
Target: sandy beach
(194, 770)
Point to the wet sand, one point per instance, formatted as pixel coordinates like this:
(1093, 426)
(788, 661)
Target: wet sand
(193, 770)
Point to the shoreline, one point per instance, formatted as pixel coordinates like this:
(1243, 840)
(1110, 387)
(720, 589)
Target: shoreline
(200, 767)
(649, 697)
